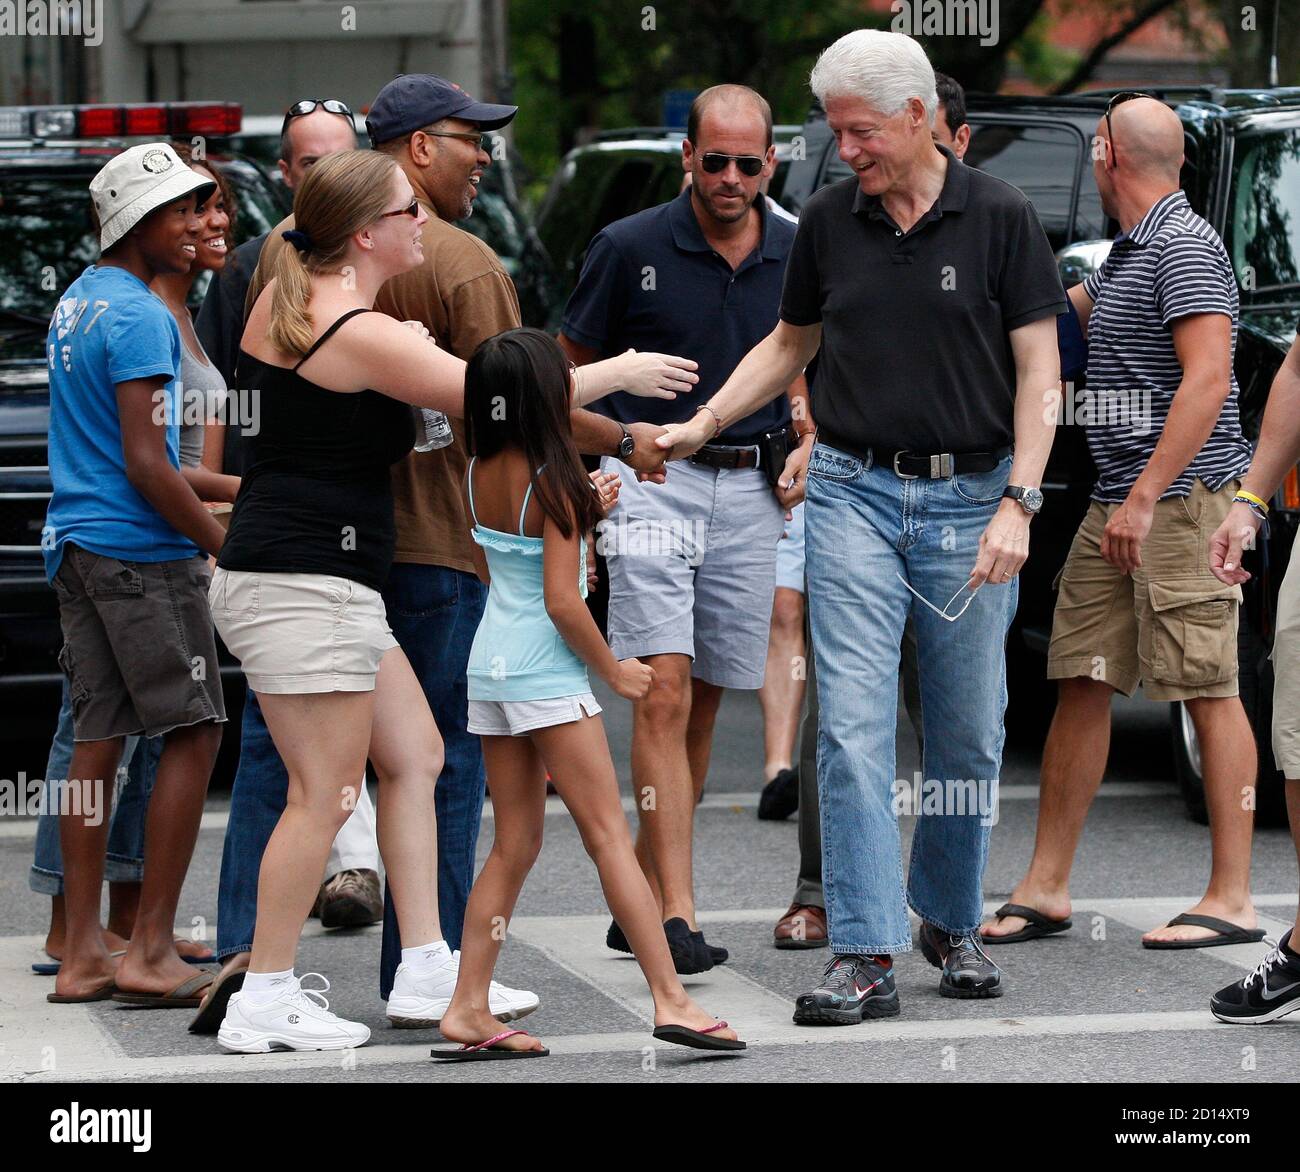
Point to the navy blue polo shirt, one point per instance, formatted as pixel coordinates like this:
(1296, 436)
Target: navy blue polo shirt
(652, 282)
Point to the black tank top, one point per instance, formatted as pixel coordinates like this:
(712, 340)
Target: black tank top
(315, 497)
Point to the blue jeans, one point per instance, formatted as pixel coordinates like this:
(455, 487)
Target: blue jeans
(434, 612)
(124, 861)
(865, 526)
(257, 799)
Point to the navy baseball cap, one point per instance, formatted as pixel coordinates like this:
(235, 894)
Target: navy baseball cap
(416, 100)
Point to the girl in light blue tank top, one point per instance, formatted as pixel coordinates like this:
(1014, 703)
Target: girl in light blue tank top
(532, 505)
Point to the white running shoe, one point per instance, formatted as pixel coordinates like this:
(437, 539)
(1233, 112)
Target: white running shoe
(299, 1019)
(420, 1002)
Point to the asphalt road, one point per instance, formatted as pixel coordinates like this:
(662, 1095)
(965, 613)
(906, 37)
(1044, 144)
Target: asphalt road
(1090, 1005)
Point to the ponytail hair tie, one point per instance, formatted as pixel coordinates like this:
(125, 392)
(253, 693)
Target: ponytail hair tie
(300, 240)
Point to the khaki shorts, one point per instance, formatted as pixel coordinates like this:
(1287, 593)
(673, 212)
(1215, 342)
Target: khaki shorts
(1171, 626)
(138, 648)
(1286, 672)
(299, 633)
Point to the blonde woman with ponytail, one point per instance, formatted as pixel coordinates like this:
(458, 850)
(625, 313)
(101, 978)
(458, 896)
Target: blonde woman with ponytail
(295, 594)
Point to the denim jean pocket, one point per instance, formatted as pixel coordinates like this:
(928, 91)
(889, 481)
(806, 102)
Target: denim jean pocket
(420, 592)
(983, 488)
(829, 463)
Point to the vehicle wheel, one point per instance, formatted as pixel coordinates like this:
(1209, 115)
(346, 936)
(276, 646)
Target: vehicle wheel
(1256, 683)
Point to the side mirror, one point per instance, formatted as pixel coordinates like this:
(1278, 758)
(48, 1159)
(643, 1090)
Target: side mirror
(1080, 260)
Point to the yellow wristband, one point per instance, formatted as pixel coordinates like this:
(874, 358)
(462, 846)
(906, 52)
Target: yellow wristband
(1242, 494)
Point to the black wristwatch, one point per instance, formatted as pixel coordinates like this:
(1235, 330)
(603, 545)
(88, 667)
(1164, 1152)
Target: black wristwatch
(627, 445)
(1030, 499)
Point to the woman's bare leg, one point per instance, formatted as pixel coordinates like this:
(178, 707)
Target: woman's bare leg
(577, 756)
(406, 751)
(322, 739)
(517, 780)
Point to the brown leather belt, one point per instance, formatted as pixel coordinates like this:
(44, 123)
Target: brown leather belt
(719, 457)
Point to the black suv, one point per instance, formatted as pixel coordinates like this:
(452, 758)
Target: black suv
(1242, 173)
(46, 240)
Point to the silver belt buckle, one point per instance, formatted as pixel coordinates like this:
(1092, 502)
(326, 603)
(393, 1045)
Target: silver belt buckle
(899, 472)
(941, 466)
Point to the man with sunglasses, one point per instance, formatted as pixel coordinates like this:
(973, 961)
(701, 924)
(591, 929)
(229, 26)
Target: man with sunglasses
(1137, 601)
(692, 561)
(312, 128)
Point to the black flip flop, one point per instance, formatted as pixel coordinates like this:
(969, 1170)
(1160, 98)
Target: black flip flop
(1037, 927)
(486, 1051)
(212, 1009)
(1228, 933)
(697, 1039)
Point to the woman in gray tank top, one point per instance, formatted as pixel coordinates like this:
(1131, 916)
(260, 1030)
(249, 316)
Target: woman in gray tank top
(203, 388)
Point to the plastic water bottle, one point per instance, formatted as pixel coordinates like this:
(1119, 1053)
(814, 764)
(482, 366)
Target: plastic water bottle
(437, 430)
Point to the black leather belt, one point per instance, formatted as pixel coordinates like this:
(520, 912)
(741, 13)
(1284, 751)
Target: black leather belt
(916, 465)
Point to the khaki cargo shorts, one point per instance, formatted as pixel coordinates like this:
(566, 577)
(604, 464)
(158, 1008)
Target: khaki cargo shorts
(1171, 625)
(1286, 672)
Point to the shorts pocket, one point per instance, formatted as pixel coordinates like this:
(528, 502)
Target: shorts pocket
(828, 463)
(108, 578)
(1194, 632)
(235, 595)
(76, 689)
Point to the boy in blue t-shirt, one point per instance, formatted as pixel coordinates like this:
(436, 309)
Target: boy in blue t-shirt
(124, 543)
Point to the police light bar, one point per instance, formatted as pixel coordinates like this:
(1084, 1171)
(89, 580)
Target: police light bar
(151, 119)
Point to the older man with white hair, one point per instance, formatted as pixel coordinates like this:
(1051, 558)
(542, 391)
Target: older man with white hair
(920, 491)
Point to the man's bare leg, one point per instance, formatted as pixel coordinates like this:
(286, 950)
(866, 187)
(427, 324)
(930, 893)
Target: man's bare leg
(662, 784)
(83, 838)
(151, 963)
(705, 701)
(781, 696)
(1074, 762)
(1229, 764)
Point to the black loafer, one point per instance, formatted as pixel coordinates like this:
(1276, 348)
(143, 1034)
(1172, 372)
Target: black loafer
(615, 939)
(780, 797)
(967, 970)
(689, 951)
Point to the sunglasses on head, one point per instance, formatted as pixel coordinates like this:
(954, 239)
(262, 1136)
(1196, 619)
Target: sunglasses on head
(1118, 100)
(307, 105)
(412, 209)
(714, 163)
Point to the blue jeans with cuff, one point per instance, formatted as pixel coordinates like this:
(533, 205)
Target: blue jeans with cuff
(124, 860)
(866, 529)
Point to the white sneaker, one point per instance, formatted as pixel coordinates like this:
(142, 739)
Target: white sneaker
(299, 1019)
(420, 1002)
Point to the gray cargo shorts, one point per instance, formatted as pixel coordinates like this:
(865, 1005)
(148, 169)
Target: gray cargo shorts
(138, 648)
(692, 569)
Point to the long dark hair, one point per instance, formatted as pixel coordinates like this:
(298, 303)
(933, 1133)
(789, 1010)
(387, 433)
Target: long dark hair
(517, 396)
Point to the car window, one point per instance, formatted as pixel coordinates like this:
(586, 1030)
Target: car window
(1042, 161)
(47, 239)
(1263, 226)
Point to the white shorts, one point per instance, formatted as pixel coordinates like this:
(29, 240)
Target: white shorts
(298, 633)
(513, 718)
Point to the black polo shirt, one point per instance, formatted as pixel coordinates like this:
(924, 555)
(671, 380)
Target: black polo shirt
(915, 354)
(652, 282)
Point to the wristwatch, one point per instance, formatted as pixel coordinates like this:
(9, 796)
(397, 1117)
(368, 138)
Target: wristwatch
(627, 445)
(1029, 499)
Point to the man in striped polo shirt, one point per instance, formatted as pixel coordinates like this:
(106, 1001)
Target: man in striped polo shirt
(1137, 601)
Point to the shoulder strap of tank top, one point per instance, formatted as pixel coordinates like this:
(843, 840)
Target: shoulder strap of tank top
(470, 484)
(325, 337)
(527, 497)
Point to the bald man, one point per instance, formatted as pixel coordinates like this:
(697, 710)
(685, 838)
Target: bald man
(1137, 601)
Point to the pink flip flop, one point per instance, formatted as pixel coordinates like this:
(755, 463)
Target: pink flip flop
(487, 1051)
